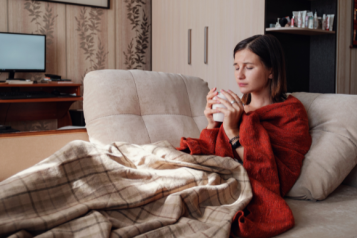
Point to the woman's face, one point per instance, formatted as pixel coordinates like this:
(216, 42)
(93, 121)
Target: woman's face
(250, 72)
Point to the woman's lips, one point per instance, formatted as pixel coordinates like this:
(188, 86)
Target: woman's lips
(242, 84)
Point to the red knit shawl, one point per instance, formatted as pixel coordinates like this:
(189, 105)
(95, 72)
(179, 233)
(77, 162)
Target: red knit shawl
(275, 140)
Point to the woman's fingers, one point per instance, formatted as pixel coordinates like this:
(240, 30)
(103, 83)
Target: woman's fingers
(213, 101)
(211, 94)
(223, 110)
(235, 97)
(224, 102)
(210, 101)
(232, 112)
(220, 109)
(211, 111)
(231, 96)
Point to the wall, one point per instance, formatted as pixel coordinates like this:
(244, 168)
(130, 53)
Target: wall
(346, 57)
(81, 39)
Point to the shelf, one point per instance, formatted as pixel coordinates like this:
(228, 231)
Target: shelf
(52, 84)
(41, 133)
(32, 109)
(59, 99)
(299, 31)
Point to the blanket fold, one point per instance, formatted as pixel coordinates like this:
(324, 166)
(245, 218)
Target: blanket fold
(275, 140)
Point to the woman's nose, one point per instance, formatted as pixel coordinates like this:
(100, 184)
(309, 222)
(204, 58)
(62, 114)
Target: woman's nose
(241, 74)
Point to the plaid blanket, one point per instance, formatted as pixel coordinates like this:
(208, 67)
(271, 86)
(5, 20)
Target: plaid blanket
(124, 190)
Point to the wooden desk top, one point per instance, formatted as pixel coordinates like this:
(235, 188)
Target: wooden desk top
(54, 99)
(52, 84)
(40, 133)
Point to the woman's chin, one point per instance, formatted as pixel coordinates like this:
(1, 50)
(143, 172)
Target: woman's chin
(243, 90)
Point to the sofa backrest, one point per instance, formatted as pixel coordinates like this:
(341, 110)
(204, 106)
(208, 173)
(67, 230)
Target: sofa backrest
(143, 106)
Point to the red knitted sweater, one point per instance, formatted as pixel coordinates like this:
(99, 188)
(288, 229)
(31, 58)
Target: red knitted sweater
(275, 140)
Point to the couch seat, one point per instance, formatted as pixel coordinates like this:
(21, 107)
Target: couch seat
(336, 216)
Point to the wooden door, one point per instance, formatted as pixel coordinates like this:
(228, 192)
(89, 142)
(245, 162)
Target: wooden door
(228, 22)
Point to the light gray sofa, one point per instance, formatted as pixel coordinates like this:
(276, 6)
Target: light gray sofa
(143, 107)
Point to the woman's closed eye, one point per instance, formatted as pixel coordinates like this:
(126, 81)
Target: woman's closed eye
(249, 68)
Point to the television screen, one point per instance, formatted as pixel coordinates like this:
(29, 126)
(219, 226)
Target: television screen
(22, 52)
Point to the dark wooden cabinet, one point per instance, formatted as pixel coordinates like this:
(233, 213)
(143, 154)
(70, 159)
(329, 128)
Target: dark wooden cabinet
(39, 108)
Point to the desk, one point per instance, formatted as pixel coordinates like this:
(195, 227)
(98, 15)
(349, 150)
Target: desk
(39, 108)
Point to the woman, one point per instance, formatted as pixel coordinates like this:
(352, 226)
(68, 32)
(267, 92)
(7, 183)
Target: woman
(266, 130)
(260, 74)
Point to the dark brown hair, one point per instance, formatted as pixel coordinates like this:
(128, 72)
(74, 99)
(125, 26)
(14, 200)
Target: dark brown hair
(270, 52)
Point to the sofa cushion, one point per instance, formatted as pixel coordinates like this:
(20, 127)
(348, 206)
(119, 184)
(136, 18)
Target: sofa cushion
(333, 217)
(142, 107)
(333, 153)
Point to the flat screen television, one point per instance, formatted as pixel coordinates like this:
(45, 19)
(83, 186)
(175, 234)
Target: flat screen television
(22, 53)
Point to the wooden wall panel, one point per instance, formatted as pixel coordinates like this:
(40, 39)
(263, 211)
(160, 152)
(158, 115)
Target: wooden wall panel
(162, 35)
(353, 89)
(88, 43)
(228, 22)
(353, 77)
(133, 34)
(81, 39)
(343, 77)
(3, 15)
(49, 20)
(3, 26)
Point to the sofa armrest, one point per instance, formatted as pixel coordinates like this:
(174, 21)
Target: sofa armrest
(22, 150)
(351, 179)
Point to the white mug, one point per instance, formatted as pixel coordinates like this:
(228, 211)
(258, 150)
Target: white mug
(218, 117)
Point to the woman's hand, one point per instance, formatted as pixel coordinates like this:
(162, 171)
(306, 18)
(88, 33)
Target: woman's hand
(232, 113)
(208, 110)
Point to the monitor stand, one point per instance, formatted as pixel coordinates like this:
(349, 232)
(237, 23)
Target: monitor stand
(11, 76)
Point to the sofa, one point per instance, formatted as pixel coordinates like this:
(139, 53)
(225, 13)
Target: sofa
(143, 107)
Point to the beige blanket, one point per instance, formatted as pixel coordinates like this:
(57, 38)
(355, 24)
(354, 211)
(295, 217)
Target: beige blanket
(124, 190)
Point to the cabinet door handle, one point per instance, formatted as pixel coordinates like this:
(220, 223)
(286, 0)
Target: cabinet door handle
(206, 45)
(189, 45)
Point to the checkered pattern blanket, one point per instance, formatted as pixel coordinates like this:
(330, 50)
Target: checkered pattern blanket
(124, 190)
